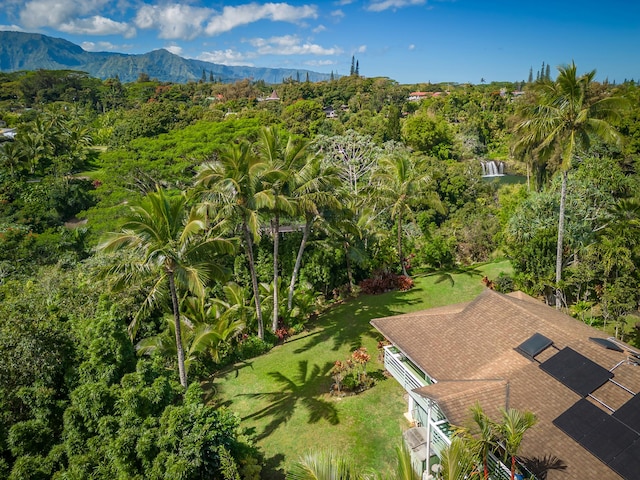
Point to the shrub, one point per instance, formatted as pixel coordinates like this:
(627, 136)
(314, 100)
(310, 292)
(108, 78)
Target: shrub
(504, 283)
(385, 282)
(351, 375)
(252, 347)
(404, 283)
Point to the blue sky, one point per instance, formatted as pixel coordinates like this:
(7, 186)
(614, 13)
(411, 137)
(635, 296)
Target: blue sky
(410, 41)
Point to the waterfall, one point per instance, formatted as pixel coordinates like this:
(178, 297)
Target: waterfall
(491, 168)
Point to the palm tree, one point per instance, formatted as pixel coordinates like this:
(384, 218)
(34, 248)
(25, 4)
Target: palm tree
(166, 240)
(458, 460)
(12, 158)
(512, 429)
(562, 122)
(282, 161)
(483, 436)
(234, 188)
(315, 184)
(203, 332)
(324, 465)
(346, 230)
(399, 183)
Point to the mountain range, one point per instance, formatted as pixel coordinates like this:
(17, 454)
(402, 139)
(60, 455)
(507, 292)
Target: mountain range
(33, 51)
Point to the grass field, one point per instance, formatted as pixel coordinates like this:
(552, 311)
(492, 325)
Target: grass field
(283, 396)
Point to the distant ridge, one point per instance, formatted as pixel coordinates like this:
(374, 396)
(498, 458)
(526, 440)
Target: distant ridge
(33, 51)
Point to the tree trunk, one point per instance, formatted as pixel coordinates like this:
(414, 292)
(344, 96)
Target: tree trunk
(254, 279)
(176, 318)
(345, 246)
(559, 249)
(402, 262)
(276, 241)
(296, 268)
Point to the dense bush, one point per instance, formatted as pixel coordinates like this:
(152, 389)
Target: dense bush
(385, 282)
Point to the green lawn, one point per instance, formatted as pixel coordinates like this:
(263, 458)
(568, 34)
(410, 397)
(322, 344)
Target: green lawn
(282, 397)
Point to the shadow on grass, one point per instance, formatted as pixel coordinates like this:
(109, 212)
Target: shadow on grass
(348, 324)
(303, 390)
(272, 468)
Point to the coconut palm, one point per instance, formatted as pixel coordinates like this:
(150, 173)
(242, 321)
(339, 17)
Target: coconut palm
(315, 189)
(204, 332)
(12, 158)
(283, 160)
(165, 240)
(324, 465)
(233, 187)
(563, 121)
(514, 425)
(399, 184)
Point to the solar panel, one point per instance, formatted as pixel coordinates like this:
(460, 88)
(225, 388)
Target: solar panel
(603, 342)
(576, 371)
(580, 419)
(627, 463)
(609, 439)
(534, 345)
(629, 413)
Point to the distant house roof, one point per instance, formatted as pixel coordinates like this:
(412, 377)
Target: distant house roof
(470, 349)
(416, 96)
(273, 96)
(8, 132)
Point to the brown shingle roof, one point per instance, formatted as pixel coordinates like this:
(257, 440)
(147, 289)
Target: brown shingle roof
(455, 396)
(477, 340)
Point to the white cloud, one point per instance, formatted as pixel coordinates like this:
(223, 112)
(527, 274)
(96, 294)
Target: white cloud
(361, 49)
(319, 63)
(97, 25)
(175, 49)
(45, 13)
(232, 17)
(11, 28)
(337, 13)
(98, 46)
(381, 5)
(412, 47)
(319, 28)
(173, 21)
(344, 2)
(226, 57)
(290, 45)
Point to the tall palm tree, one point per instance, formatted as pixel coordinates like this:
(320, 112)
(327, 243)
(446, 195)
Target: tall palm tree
(233, 187)
(315, 184)
(166, 240)
(399, 184)
(283, 160)
(515, 424)
(562, 121)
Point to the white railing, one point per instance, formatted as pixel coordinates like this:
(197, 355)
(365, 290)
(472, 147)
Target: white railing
(398, 366)
(394, 364)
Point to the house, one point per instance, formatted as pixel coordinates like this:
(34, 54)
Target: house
(8, 133)
(273, 97)
(417, 96)
(512, 351)
(329, 112)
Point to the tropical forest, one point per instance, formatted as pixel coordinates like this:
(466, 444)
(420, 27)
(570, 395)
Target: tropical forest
(188, 271)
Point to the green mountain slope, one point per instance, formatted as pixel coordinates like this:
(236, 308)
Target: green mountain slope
(32, 51)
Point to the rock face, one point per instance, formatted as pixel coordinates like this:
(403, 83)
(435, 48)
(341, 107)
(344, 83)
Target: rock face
(32, 51)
